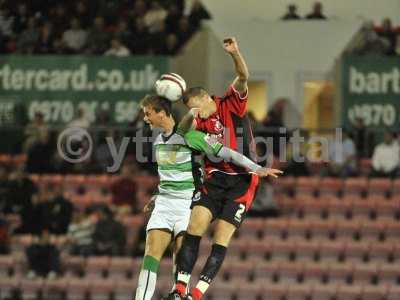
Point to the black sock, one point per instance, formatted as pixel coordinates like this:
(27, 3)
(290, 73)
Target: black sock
(187, 256)
(213, 264)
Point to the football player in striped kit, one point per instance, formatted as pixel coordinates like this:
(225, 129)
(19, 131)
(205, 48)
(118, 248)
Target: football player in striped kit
(178, 176)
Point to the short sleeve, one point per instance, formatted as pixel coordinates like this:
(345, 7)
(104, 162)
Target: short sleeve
(202, 142)
(236, 102)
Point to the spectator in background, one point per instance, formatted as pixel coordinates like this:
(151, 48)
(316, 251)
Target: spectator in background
(98, 38)
(6, 22)
(140, 39)
(316, 13)
(5, 190)
(60, 19)
(369, 42)
(386, 157)
(291, 13)
(75, 37)
(56, 211)
(20, 18)
(298, 163)
(109, 236)
(22, 193)
(39, 156)
(28, 38)
(139, 10)
(80, 233)
(35, 131)
(46, 39)
(82, 13)
(185, 30)
(363, 139)
(171, 45)
(173, 17)
(387, 33)
(124, 190)
(197, 14)
(342, 157)
(155, 17)
(43, 257)
(123, 33)
(117, 49)
(157, 40)
(81, 120)
(4, 236)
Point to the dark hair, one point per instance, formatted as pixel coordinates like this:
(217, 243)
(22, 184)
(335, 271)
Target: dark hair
(193, 92)
(157, 103)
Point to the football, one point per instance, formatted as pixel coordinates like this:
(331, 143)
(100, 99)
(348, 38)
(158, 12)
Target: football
(170, 86)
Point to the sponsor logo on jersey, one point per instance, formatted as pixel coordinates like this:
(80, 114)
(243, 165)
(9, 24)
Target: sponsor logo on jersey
(196, 196)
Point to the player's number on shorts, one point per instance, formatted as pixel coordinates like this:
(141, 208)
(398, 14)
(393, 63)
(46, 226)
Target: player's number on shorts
(239, 213)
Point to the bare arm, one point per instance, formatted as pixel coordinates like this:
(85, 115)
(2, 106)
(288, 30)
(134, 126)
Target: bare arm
(188, 121)
(242, 72)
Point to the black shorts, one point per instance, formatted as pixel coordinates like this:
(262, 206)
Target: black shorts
(228, 197)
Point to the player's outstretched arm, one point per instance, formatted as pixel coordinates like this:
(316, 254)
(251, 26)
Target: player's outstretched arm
(240, 82)
(202, 142)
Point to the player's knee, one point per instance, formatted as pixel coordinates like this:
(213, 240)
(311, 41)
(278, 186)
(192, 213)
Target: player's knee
(197, 228)
(199, 221)
(223, 233)
(153, 252)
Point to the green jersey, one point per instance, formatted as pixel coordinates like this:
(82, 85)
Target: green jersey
(176, 168)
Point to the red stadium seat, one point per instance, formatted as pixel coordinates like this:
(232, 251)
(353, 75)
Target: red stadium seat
(307, 251)
(330, 185)
(396, 187)
(323, 230)
(223, 291)
(249, 290)
(55, 288)
(392, 230)
(372, 231)
(285, 185)
(282, 250)
(389, 274)
(357, 252)
(316, 273)
(388, 210)
(374, 292)
(97, 266)
(365, 274)
(298, 229)
(275, 291)
(252, 228)
(74, 265)
(239, 271)
(78, 288)
(307, 185)
(101, 289)
(300, 291)
(274, 228)
(380, 186)
(324, 292)
(8, 286)
(381, 252)
(356, 185)
(332, 251)
(259, 250)
(125, 289)
(6, 265)
(291, 272)
(394, 292)
(267, 272)
(348, 230)
(31, 289)
(346, 292)
(341, 273)
(120, 267)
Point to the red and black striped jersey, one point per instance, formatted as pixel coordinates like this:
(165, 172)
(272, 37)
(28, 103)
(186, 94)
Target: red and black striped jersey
(231, 126)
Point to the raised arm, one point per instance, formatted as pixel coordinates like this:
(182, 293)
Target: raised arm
(242, 72)
(188, 121)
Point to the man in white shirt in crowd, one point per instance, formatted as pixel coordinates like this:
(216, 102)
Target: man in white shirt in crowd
(117, 49)
(75, 37)
(386, 157)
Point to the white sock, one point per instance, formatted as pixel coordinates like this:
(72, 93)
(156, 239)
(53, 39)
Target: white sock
(146, 285)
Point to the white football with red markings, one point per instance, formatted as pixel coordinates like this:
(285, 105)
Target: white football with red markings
(170, 86)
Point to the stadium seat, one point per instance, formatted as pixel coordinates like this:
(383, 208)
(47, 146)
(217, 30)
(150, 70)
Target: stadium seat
(221, 290)
(382, 252)
(6, 265)
(290, 272)
(298, 229)
(125, 289)
(249, 290)
(275, 291)
(356, 186)
(55, 288)
(357, 252)
(285, 185)
(392, 230)
(78, 288)
(74, 265)
(340, 209)
(101, 289)
(380, 186)
(307, 251)
(348, 230)
(120, 267)
(347, 292)
(267, 272)
(8, 285)
(308, 186)
(281, 250)
(365, 274)
(300, 291)
(239, 271)
(325, 292)
(396, 187)
(274, 228)
(316, 273)
(394, 292)
(388, 210)
(378, 292)
(331, 186)
(31, 289)
(323, 229)
(252, 228)
(332, 251)
(341, 273)
(97, 266)
(389, 274)
(372, 231)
